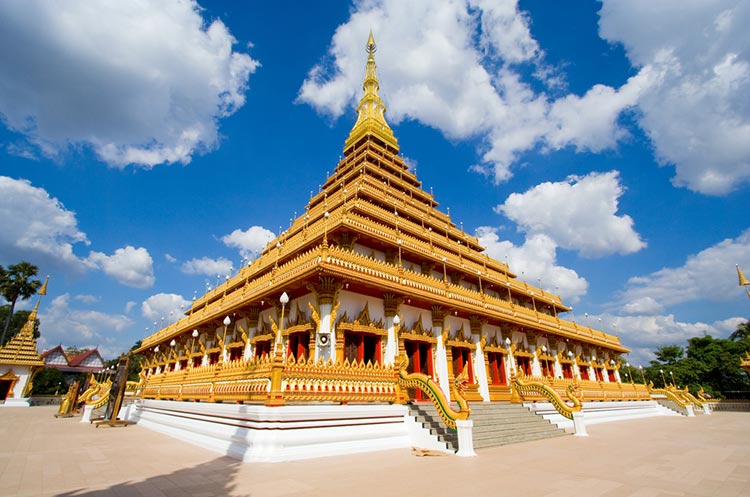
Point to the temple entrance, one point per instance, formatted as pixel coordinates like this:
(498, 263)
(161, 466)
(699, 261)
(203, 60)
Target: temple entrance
(461, 361)
(496, 363)
(5, 386)
(420, 361)
(362, 347)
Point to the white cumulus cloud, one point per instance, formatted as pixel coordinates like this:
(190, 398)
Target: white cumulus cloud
(62, 324)
(169, 306)
(578, 214)
(252, 240)
(141, 83)
(207, 266)
(435, 69)
(128, 265)
(696, 112)
(37, 227)
(537, 259)
(709, 275)
(645, 333)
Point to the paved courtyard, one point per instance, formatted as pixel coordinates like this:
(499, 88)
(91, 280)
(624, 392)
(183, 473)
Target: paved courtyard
(666, 456)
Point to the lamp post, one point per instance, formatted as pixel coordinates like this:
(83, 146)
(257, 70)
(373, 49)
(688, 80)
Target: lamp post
(284, 299)
(671, 374)
(643, 377)
(546, 362)
(510, 354)
(275, 396)
(630, 373)
(192, 346)
(396, 322)
(662, 378)
(224, 339)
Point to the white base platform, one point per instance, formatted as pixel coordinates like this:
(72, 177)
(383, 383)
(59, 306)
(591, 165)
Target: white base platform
(13, 402)
(256, 433)
(603, 412)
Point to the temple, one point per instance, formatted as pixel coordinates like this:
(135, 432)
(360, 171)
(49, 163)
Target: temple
(19, 362)
(373, 283)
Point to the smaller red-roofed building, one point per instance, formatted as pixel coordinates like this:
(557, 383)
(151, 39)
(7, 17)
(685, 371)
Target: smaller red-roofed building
(88, 361)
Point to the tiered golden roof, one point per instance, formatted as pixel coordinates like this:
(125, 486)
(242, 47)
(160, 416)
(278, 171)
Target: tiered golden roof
(21, 349)
(373, 202)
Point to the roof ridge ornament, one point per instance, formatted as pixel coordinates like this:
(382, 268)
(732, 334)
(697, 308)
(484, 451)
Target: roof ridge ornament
(371, 109)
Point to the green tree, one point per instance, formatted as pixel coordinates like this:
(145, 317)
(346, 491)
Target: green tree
(669, 354)
(15, 283)
(49, 381)
(16, 323)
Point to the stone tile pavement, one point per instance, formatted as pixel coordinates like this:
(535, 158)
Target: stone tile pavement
(655, 457)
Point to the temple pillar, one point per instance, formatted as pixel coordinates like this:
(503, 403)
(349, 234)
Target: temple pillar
(441, 354)
(251, 322)
(480, 361)
(391, 304)
(327, 344)
(536, 365)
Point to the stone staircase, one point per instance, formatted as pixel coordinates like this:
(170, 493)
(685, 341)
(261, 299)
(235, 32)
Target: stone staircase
(495, 423)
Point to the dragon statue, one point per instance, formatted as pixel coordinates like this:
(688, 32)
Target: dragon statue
(97, 394)
(436, 395)
(521, 387)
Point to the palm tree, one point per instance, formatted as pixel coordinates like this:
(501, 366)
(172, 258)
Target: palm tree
(742, 332)
(15, 283)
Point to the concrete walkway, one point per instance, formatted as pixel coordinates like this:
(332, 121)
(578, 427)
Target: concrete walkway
(666, 456)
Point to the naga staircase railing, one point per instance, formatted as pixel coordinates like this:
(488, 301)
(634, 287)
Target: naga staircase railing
(436, 395)
(525, 389)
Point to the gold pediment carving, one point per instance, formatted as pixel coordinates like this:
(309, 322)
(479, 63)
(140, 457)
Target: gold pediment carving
(418, 333)
(462, 339)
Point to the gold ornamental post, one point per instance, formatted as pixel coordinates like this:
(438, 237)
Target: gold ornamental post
(275, 397)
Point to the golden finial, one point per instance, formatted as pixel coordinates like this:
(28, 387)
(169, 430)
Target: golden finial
(743, 281)
(371, 109)
(43, 289)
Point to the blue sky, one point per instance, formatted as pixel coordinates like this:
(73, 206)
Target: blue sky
(603, 148)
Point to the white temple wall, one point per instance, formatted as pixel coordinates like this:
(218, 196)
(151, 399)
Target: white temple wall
(24, 374)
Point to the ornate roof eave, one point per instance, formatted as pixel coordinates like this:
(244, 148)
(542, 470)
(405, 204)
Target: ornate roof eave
(356, 267)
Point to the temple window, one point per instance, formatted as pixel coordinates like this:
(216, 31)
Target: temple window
(213, 357)
(197, 360)
(524, 365)
(183, 364)
(299, 345)
(361, 347)
(263, 348)
(584, 372)
(567, 370)
(235, 353)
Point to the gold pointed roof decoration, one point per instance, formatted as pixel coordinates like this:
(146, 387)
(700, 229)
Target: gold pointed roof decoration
(21, 349)
(371, 109)
(743, 281)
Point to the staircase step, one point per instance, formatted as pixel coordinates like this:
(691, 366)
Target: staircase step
(494, 424)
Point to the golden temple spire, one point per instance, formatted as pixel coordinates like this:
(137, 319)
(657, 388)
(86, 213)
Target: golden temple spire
(43, 290)
(371, 109)
(21, 349)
